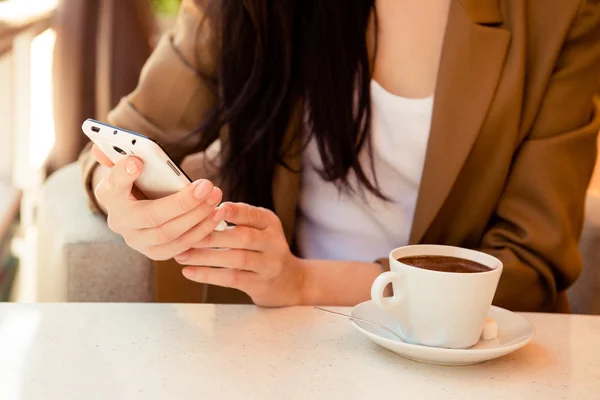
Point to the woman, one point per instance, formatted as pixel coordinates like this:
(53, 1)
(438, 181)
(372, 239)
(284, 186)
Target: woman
(343, 129)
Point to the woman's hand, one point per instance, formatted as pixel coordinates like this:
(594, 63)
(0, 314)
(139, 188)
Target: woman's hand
(254, 257)
(159, 229)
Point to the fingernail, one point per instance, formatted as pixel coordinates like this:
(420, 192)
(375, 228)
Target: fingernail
(131, 167)
(202, 190)
(214, 198)
(226, 211)
(188, 273)
(218, 214)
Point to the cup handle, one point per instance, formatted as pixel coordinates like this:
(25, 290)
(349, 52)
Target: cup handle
(378, 288)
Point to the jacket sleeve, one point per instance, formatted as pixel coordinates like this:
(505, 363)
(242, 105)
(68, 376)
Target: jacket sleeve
(539, 216)
(175, 92)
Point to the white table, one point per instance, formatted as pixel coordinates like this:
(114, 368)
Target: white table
(166, 351)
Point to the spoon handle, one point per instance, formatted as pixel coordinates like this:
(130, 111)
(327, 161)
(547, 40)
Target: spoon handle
(359, 320)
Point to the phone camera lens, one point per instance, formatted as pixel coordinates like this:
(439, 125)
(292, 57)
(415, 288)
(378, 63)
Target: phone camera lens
(114, 132)
(133, 141)
(118, 150)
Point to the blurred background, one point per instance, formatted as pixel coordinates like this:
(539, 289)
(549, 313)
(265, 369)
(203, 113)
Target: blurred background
(62, 61)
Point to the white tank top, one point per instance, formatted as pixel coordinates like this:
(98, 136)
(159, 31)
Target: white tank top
(346, 226)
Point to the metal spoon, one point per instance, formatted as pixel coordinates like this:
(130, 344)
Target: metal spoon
(360, 320)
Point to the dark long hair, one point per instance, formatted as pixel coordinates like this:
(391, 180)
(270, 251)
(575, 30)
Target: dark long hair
(274, 53)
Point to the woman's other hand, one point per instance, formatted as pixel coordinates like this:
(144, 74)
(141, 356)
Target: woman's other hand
(254, 257)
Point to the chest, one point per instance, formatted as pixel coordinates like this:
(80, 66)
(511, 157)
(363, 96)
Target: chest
(356, 220)
(409, 36)
(487, 90)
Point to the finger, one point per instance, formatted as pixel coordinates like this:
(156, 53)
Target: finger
(154, 213)
(118, 182)
(235, 237)
(174, 229)
(245, 214)
(101, 157)
(186, 241)
(232, 278)
(225, 258)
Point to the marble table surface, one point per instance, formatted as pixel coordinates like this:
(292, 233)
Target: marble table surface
(175, 351)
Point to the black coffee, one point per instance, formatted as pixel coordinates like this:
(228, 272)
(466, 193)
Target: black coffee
(445, 264)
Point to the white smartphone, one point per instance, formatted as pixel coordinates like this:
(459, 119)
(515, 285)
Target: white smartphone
(161, 176)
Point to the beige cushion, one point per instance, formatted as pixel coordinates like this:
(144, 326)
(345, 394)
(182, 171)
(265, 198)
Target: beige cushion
(78, 257)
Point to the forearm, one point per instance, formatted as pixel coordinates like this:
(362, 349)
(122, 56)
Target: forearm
(337, 283)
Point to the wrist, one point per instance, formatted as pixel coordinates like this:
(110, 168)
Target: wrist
(336, 283)
(306, 287)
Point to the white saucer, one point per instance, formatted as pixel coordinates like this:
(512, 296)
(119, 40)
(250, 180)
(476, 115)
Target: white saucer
(514, 332)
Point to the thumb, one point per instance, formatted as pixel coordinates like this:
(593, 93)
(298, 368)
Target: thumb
(122, 176)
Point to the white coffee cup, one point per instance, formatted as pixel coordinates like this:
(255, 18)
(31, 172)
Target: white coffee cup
(436, 308)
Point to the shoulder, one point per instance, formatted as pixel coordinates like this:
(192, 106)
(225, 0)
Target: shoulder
(194, 34)
(558, 45)
(553, 33)
(550, 20)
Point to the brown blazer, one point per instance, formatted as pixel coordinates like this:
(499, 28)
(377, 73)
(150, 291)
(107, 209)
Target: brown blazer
(511, 149)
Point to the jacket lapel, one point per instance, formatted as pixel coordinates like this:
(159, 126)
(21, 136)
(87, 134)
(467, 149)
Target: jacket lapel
(470, 67)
